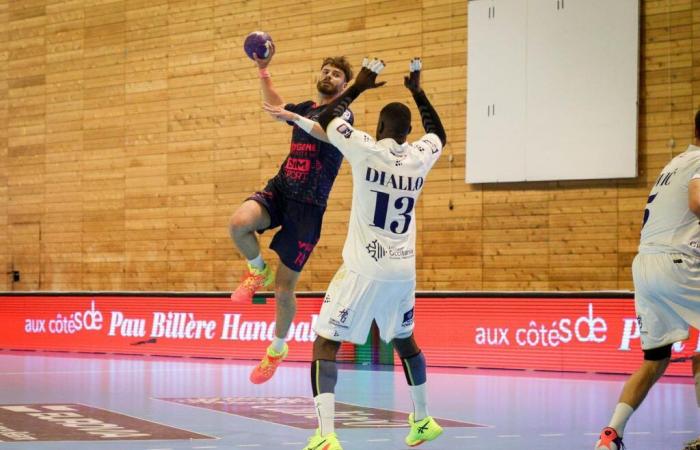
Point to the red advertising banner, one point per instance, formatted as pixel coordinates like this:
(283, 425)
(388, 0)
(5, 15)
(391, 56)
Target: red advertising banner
(558, 334)
(167, 326)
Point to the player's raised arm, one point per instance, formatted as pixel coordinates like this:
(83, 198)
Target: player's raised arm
(429, 117)
(270, 95)
(366, 79)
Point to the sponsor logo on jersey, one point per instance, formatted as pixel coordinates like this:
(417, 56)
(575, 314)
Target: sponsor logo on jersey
(345, 130)
(400, 253)
(375, 250)
(302, 147)
(434, 148)
(342, 318)
(408, 318)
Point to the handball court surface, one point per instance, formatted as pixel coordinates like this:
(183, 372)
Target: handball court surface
(82, 401)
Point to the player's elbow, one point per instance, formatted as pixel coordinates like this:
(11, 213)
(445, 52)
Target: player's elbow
(443, 139)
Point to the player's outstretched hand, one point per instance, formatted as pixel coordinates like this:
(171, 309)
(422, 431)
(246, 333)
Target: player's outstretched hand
(367, 78)
(412, 81)
(279, 113)
(264, 62)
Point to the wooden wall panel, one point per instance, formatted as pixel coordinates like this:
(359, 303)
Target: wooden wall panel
(130, 130)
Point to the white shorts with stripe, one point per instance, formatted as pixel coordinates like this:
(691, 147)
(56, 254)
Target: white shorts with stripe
(353, 301)
(667, 297)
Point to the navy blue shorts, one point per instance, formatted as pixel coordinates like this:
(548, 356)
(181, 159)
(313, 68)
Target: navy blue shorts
(300, 225)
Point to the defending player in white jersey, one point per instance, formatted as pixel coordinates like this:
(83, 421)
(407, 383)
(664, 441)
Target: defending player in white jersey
(666, 274)
(377, 280)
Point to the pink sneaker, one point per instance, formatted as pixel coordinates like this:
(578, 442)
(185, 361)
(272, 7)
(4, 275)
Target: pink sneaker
(609, 440)
(268, 365)
(252, 282)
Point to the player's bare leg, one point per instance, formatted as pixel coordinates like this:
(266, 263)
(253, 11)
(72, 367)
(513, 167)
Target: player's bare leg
(286, 307)
(638, 385)
(248, 218)
(633, 394)
(245, 221)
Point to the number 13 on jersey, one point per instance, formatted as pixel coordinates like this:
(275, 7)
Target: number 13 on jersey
(399, 216)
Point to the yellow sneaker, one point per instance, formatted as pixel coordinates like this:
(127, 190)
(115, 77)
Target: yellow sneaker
(268, 365)
(327, 442)
(252, 282)
(421, 431)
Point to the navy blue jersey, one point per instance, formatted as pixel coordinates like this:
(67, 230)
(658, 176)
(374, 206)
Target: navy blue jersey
(308, 172)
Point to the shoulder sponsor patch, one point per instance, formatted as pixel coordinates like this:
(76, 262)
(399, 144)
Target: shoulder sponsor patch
(434, 148)
(345, 130)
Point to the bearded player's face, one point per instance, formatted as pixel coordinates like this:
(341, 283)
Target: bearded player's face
(331, 81)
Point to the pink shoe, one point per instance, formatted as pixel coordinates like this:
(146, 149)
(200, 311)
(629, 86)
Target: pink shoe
(268, 365)
(252, 282)
(609, 440)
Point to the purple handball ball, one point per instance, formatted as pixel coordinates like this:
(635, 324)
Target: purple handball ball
(257, 42)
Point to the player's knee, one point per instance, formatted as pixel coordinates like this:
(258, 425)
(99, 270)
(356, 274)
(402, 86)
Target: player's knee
(406, 347)
(284, 293)
(285, 286)
(325, 349)
(658, 355)
(238, 224)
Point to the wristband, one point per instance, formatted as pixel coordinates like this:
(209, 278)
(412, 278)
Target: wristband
(264, 73)
(304, 123)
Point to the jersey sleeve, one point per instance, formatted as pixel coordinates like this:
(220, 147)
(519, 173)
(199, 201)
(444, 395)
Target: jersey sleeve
(430, 147)
(298, 108)
(354, 144)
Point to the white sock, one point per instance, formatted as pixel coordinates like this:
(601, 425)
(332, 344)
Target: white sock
(620, 416)
(420, 401)
(277, 345)
(325, 411)
(257, 262)
(697, 388)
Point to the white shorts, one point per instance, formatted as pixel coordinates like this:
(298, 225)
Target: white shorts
(667, 297)
(353, 301)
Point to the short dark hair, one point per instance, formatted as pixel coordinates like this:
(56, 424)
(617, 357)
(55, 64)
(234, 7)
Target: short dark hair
(697, 125)
(339, 62)
(397, 118)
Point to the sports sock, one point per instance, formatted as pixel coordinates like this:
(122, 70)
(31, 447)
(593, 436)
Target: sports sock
(416, 377)
(324, 376)
(325, 411)
(419, 396)
(257, 262)
(620, 416)
(277, 345)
